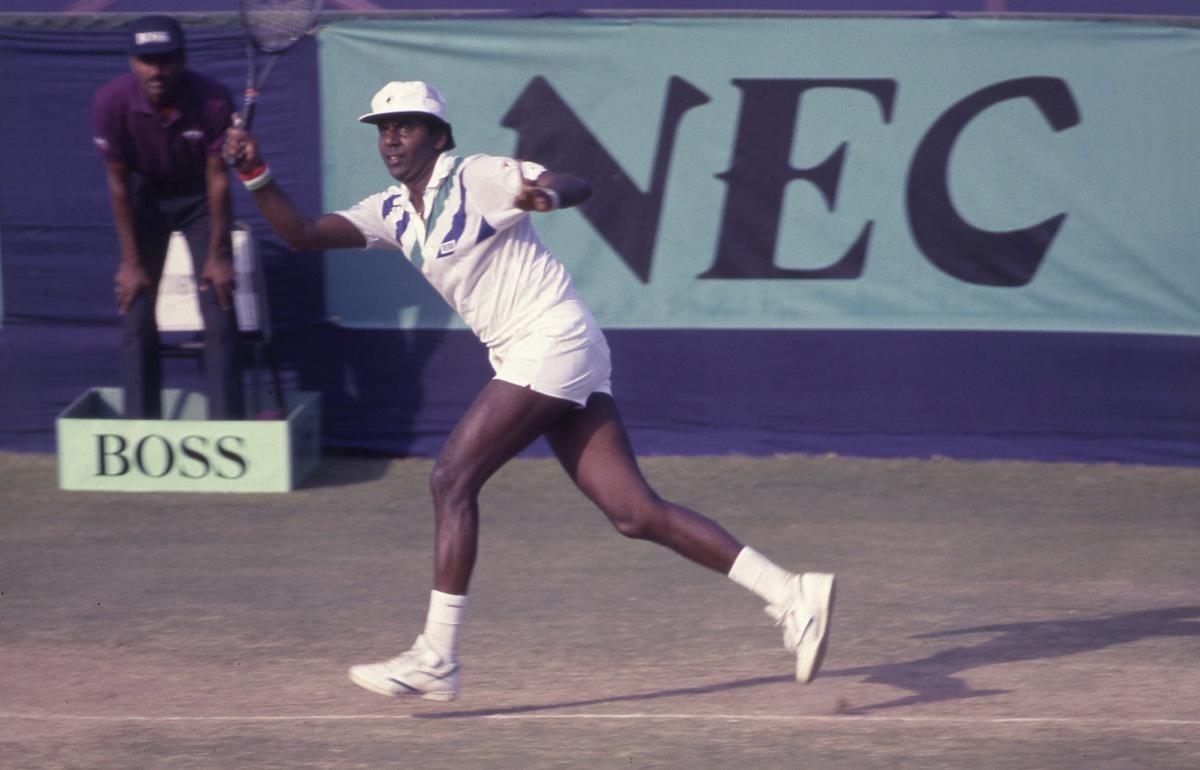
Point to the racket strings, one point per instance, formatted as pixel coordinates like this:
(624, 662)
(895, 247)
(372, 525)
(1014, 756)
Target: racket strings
(277, 24)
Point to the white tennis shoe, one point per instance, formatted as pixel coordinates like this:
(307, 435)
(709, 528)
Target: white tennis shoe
(805, 619)
(420, 672)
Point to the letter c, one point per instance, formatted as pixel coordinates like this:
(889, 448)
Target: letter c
(952, 244)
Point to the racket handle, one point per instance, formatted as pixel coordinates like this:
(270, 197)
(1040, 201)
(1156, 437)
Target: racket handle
(242, 121)
(248, 103)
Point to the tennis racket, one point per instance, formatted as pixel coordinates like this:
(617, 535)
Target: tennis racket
(272, 27)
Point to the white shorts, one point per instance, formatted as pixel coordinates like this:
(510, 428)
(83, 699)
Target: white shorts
(565, 356)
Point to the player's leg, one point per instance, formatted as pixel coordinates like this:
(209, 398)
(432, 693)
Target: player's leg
(595, 450)
(503, 420)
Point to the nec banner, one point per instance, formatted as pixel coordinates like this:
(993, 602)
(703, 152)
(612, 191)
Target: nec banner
(809, 173)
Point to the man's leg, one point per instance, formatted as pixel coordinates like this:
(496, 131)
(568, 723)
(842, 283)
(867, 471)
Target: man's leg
(222, 356)
(141, 369)
(503, 420)
(141, 366)
(595, 450)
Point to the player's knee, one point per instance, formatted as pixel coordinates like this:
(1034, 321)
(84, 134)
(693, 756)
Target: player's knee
(638, 520)
(442, 480)
(450, 484)
(632, 527)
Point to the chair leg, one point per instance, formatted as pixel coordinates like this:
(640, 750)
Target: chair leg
(257, 377)
(276, 379)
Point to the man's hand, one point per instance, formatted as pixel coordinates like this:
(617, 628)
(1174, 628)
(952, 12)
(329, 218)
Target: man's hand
(240, 150)
(535, 198)
(552, 191)
(129, 281)
(219, 275)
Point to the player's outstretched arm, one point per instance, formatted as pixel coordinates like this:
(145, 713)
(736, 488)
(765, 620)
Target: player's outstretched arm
(552, 191)
(298, 231)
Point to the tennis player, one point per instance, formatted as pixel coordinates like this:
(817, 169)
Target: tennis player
(464, 222)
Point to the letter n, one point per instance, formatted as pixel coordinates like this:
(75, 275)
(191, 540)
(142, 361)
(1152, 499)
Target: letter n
(627, 218)
(761, 171)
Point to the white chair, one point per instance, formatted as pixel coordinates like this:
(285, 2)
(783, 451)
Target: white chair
(178, 310)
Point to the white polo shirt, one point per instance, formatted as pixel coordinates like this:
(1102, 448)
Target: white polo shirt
(482, 255)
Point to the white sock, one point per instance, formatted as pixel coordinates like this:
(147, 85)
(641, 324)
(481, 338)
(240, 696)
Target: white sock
(756, 572)
(441, 624)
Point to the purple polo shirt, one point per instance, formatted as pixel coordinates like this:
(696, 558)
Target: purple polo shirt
(169, 150)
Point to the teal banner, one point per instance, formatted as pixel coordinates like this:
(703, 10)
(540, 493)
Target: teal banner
(810, 173)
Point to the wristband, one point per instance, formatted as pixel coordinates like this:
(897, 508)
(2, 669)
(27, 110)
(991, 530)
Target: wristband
(259, 180)
(555, 200)
(246, 176)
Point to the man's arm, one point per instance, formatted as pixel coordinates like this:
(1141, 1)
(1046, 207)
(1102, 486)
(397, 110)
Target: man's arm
(329, 231)
(131, 277)
(218, 271)
(298, 231)
(553, 191)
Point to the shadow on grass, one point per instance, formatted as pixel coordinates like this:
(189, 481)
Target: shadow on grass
(933, 678)
(343, 468)
(675, 693)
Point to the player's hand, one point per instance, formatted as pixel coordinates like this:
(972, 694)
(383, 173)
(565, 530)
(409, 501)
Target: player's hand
(534, 198)
(218, 275)
(240, 150)
(129, 281)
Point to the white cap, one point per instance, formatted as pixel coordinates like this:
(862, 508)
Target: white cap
(407, 97)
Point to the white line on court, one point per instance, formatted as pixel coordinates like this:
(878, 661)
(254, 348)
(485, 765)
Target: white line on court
(844, 718)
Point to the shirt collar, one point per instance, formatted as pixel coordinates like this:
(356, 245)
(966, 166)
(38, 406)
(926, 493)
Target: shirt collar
(141, 102)
(441, 170)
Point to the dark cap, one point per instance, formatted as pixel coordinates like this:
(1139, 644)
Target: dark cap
(151, 35)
